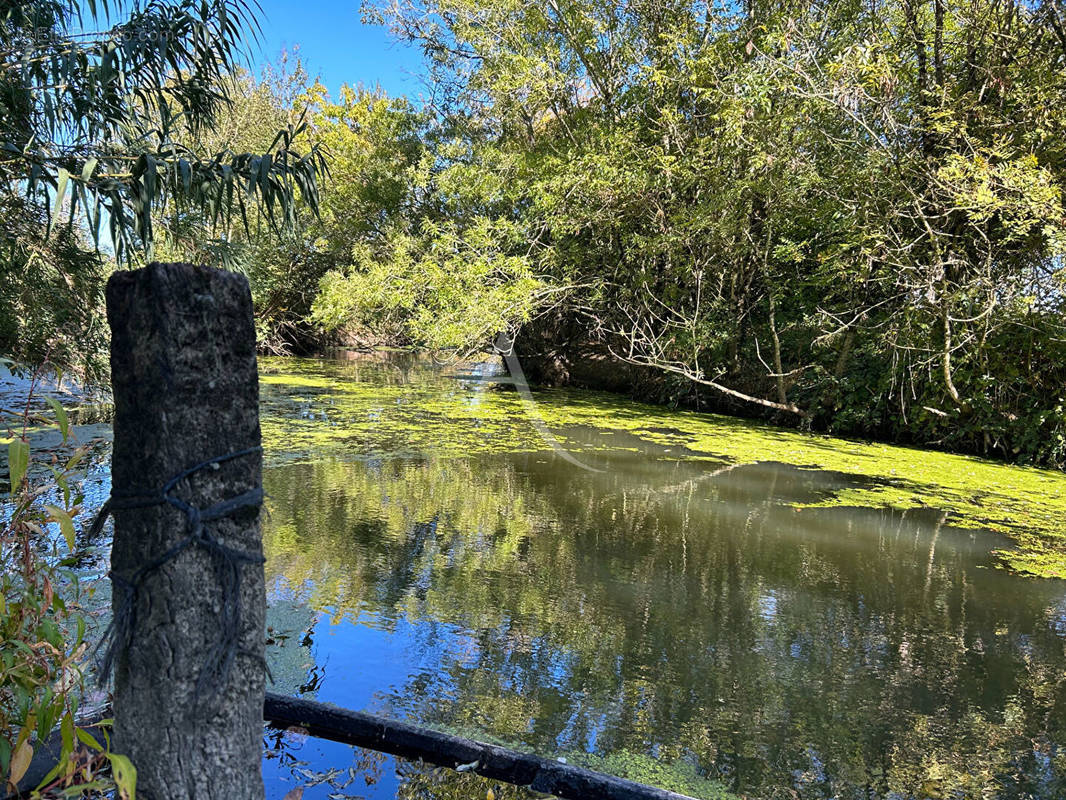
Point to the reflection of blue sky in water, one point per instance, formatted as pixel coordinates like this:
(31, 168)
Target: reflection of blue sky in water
(677, 610)
(664, 608)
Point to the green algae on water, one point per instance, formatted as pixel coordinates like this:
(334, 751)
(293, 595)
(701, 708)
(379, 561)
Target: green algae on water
(680, 776)
(373, 410)
(1026, 504)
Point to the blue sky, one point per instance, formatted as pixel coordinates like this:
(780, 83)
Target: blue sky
(336, 46)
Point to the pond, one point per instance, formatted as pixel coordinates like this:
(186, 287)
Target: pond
(701, 609)
(707, 604)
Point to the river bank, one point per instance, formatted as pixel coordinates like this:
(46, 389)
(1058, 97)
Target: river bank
(560, 354)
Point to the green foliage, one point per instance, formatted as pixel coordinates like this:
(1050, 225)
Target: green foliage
(51, 306)
(111, 115)
(850, 215)
(387, 257)
(375, 161)
(444, 288)
(42, 627)
(95, 97)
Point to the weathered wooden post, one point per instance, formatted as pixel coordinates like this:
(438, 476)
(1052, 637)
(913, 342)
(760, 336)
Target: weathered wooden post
(187, 642)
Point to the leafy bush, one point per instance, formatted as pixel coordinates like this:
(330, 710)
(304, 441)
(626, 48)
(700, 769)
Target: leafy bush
(42, 626)
(51, 308)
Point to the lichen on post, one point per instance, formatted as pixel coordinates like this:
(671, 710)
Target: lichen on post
(189, 599)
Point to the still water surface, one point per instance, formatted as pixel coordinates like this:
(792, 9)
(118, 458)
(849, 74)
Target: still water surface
(683, 620)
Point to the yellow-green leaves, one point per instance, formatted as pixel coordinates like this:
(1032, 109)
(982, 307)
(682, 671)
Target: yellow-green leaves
(88, 740)
(66, 524)
(18, 449)
(61, 416)
(452, 286)
(18, 460)
(125, 775)
(41, 624)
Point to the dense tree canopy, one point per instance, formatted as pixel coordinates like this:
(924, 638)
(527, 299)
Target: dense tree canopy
(848, 214)
(375, 151)
(97, 104)
(845, 215)
(389, 257)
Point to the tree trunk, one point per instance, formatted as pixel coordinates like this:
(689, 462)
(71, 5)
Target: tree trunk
(185, 385)
(779, 370)
(949, 382)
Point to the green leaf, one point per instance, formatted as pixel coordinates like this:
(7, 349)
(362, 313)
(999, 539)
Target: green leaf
(46, 717)
(66, 730)
(61, 189)
(66, 524)
(49, 632)
(61, 416)
(54, 772)
(125, 774)
(18, 460)
(87, 739)
(87, 170)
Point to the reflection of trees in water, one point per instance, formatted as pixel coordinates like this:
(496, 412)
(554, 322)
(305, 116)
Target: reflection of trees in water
(368, 768)
(847, 653)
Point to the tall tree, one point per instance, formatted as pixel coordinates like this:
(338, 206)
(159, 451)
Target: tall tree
(847, 215)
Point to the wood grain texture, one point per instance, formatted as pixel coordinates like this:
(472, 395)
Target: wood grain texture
(185, 387)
